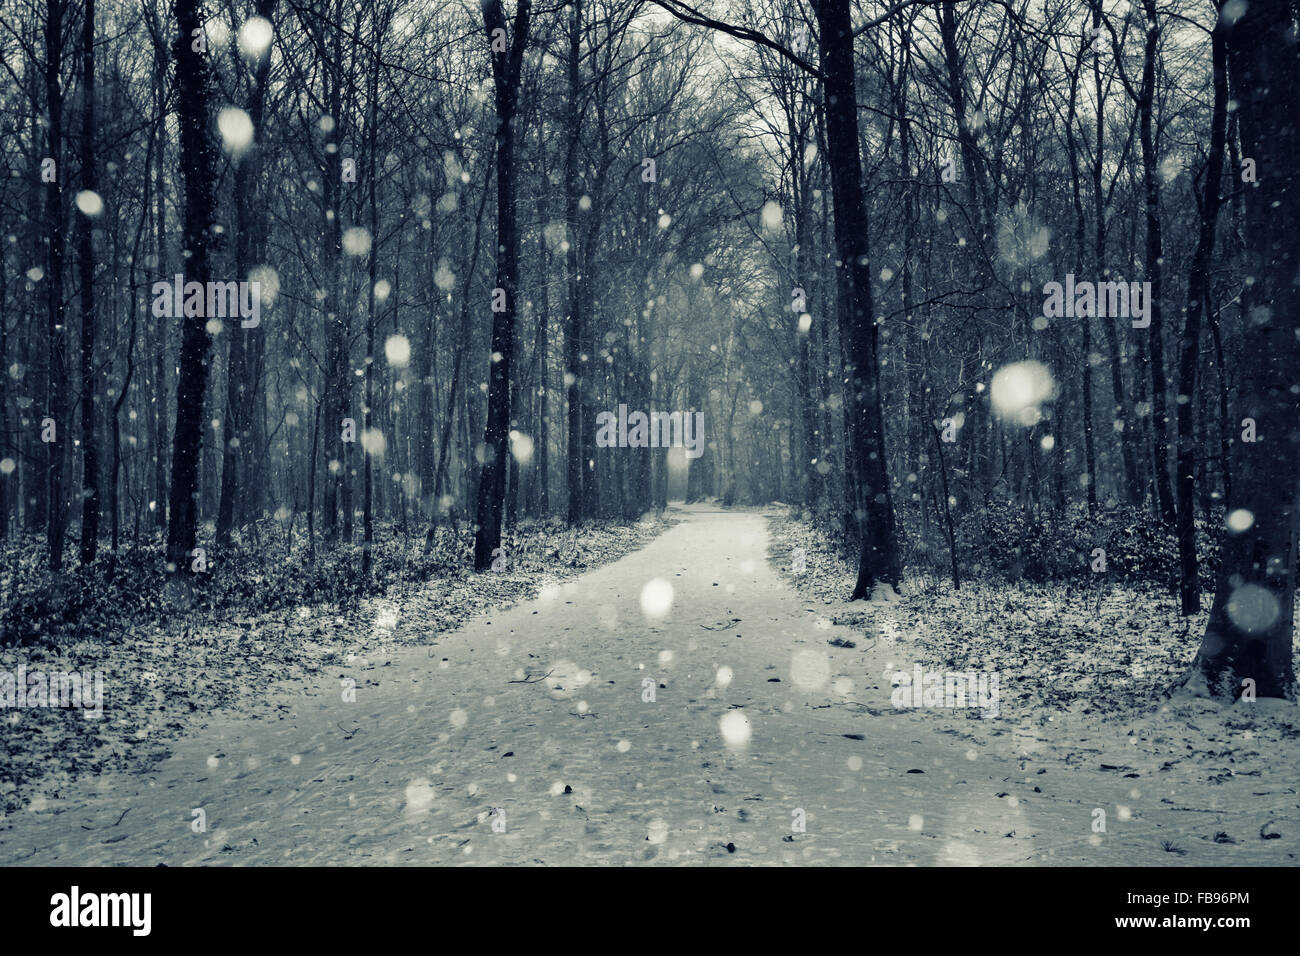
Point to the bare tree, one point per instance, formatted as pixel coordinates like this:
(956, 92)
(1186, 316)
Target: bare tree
(86, 262)
(1198, 280)
(1247, 647)
(56, 396)
(507, 52)
(197, 163)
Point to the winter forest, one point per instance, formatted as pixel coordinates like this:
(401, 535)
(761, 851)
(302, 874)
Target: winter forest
(857, 407)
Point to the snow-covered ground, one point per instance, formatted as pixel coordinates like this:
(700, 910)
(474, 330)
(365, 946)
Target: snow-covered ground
(527, 737)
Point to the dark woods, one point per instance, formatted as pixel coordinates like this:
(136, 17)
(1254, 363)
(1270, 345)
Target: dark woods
(985, 286)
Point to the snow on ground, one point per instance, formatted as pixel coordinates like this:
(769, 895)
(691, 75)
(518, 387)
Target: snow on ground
(163, 678)
(682, 705)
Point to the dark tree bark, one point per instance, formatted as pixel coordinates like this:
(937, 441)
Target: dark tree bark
(372, 176)
(810, 482)
(1123, 410)
(541, 351)
(86, 266)
(1189, 355)
(512, 463)
(56, 400)
(337, 391)
(454, 402)
(8, 446)
(115, 416)
(947, 510)
(160, 324)
(699, 473)
(1154, 256)
(978, 208)
(878, 559)
(311, 484)
(1085, 321)
(506, 67)
(575, 463)
(1225, 421)
(197, 163)
(1249, 633)
(241, 391)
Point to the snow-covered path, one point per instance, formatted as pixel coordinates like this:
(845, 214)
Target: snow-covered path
(584, 770)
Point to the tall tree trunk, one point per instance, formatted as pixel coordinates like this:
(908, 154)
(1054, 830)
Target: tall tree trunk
(978, 424)
(197, 164)
(1089, 443)
(440, 472)
(1248, 637)
(809, 488)
(5, 494)
(698, 471)
(1225, 420)
(574, 367)
(541, 398)
(512, 463)
(338, 381)
(86, 263)
(804, 419)
(1154, 256)
(115, 466)
(240, 387)
(541, 350)
(56, 400)
(1122, 411)
(372, 176)
(507, 62)
(878, 559)
(160, 324)
(11, 448)
(311, 484)
(915, 427)
(1189, 354)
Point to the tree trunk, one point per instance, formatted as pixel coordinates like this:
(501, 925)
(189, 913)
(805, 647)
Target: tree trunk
(1249, 634)
(512, 463)
(372, 176)
(1189, 355)
(5, 472)
(56, 401)
(240, 387)
(506, 66)
(878, 559)
(338, 380)
(1122, 411)
(541, 349)
(86, 263)
(575, 384)
(160, 324)
(196, 155)
(1089, 442)
(1154, 257)
(1225, 420)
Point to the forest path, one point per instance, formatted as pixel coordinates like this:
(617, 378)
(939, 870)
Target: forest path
(583, 769)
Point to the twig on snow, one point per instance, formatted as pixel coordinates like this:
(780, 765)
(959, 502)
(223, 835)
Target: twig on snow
(119, 820)
(534, 680)
(734, 622)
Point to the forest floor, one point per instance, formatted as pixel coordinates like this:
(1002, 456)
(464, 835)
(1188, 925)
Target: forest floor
(528, 735)
(167, 669)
